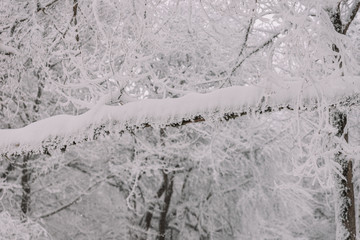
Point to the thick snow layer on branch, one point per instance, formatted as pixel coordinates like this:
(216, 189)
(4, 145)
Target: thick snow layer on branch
(62, 130)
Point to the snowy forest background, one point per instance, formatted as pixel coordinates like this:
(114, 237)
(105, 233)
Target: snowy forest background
(269, 150)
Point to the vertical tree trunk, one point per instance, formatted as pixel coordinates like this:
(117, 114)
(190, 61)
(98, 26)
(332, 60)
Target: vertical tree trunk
(75, 10)
(145, 221)
(344, 188)
(168, 183)
(25, 184)
(163, 224)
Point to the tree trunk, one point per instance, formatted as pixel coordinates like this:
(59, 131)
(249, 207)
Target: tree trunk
(344, 188)
(74, 19)
(25, 184)
(145, 221)
(163, 223)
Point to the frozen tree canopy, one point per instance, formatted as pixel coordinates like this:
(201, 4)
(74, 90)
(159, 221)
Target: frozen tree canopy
(185, 119)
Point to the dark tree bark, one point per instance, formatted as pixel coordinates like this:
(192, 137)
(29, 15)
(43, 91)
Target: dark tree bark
(344, 187)
(25, 184)
(74, 19)
(163, 223)
(146, 219)
(6, 173)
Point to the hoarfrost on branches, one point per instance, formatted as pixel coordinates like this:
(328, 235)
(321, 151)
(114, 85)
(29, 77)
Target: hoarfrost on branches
(232, 116)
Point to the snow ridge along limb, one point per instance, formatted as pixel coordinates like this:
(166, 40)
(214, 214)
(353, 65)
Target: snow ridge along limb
(62, 130)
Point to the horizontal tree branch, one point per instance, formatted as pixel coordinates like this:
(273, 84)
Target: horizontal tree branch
(60, 131)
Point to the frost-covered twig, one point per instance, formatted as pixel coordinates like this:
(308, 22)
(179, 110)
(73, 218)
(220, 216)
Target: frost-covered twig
(266, 43)
(75, 200)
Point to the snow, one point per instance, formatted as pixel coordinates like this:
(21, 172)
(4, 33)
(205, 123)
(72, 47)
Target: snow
(61, 130)
(7, 49)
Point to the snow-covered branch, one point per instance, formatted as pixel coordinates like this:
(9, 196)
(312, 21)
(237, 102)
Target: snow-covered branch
(63, 130)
